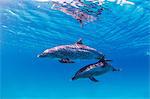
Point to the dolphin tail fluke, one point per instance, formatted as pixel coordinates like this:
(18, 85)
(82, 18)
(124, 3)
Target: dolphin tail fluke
(108, 60)
(114, 69)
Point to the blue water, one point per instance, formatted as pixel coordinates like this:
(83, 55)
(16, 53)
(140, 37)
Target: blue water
(29, 27)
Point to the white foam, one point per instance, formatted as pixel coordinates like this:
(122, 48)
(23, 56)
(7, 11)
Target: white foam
(60, 1)
(43, 0)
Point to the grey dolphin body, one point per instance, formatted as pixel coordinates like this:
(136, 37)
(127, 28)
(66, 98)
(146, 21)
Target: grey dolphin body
(70, 52)
(96, 69)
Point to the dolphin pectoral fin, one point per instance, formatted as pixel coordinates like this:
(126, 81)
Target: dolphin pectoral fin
(66, 61)
(93, 79)
(79, 41)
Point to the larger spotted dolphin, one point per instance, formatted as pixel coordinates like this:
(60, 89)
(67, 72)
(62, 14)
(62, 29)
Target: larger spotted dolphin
(67, 53)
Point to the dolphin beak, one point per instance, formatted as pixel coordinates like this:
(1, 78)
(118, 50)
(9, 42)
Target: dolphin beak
(38, 55)
(42, 55)
(74, 78)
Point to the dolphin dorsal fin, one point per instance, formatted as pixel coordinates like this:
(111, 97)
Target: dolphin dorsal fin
(79, 41)
(104, 60)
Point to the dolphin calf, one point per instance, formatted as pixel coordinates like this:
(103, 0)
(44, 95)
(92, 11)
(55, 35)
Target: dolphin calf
(96, 69)
(67, 53)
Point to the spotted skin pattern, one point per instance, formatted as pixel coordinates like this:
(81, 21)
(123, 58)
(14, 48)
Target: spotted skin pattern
(72, 52)
(94, 69)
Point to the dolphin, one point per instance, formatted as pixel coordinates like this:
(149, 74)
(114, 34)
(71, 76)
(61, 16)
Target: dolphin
(95, 69)
(67, 53)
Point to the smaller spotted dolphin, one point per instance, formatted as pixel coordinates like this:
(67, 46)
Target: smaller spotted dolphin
(67, 53)
(96, 69)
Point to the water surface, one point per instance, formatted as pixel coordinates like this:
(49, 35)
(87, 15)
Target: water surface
(29, 27)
